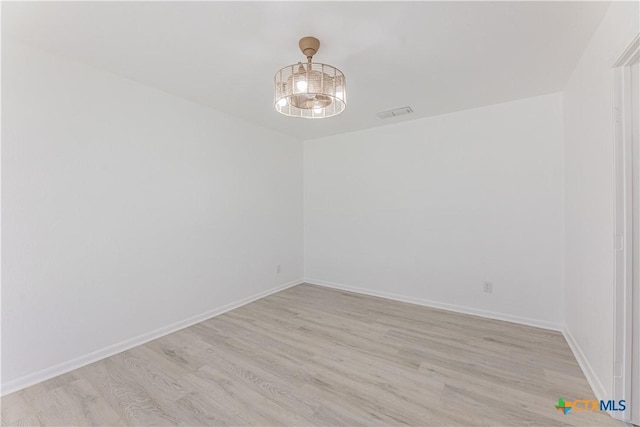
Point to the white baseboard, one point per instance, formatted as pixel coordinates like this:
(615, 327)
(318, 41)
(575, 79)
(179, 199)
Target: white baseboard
(589, 373)
(440, 305)
(78, 362)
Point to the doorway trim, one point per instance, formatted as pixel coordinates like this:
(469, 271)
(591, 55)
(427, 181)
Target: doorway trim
(623, 239)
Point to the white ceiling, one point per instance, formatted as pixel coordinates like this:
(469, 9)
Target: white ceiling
(437, 57)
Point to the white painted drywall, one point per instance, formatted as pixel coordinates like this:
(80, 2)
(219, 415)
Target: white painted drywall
(126, 210)
(589, 214)
(428, 210)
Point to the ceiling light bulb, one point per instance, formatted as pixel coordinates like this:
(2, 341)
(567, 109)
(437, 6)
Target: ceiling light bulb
(282, 102)
(301, 85)
(317, 110)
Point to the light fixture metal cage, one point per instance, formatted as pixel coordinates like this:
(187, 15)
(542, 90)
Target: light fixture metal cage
(312, 90)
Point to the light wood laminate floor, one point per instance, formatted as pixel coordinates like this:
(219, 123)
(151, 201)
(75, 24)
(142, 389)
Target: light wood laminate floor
(316, 356)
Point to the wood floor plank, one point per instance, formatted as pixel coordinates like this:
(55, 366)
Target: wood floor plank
(316, 356)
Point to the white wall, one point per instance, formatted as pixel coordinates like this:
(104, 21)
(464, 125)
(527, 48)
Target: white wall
(429, 209)
(589, 161)
(126, 210)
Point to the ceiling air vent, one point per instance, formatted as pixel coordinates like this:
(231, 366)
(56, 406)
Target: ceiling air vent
(395, 112)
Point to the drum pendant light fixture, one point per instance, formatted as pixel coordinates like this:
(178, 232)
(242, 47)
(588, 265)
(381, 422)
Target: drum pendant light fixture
(311, 90)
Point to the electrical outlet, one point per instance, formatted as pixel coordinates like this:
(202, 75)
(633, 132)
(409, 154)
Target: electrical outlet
(278, 269)
(487, 287)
